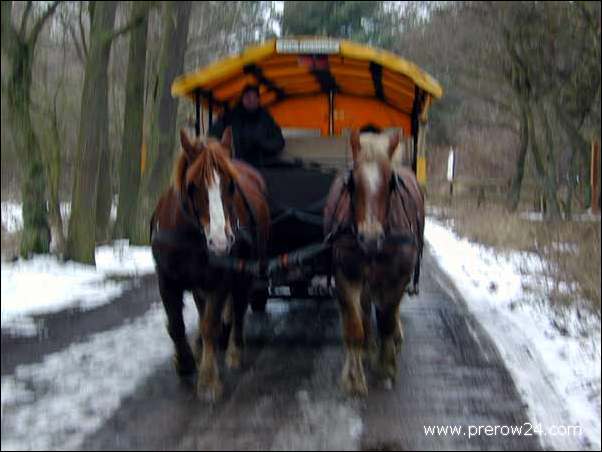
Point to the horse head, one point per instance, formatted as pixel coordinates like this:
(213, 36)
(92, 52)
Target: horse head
(370, 184)
(206, 179)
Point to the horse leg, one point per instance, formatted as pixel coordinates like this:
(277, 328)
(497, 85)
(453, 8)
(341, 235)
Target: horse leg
(239, 303)
(199, 302)
(171, 295)
(370, 344)
(209, 386)
(349, 294)
(391, 334)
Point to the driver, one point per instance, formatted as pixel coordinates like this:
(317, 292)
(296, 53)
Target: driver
(256, 136)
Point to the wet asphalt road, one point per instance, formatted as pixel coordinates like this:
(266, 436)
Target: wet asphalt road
(287, 394)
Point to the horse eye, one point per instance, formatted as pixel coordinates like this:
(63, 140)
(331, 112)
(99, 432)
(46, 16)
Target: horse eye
(232, 188)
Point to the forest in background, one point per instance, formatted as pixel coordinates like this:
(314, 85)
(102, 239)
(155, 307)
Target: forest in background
(85, 84)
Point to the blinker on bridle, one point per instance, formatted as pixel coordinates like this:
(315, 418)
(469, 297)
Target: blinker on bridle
(349, 184)
(193, 217)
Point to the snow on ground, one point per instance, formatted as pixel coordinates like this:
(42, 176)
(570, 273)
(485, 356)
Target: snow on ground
(73, 392)
(556, 372)
(538, 216)
(45, 284)
(12, 215)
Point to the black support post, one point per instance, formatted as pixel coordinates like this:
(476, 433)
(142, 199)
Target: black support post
(197, 111)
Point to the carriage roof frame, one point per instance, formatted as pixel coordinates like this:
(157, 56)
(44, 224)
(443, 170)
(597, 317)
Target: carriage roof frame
(321, 82)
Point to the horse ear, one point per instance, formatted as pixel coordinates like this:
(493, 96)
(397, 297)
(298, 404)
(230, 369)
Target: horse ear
(190, 149)
(227, 137)
(393, 143)
(355, 144)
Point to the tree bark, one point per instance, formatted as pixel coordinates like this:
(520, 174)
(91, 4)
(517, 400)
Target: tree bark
(163, 124)
(53, 172)
(546, 177)
(519, 172)
(129, 171)
(19, 49)
(92, 138)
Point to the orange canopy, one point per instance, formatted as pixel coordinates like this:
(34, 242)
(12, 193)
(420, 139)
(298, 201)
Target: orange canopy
(318, 83)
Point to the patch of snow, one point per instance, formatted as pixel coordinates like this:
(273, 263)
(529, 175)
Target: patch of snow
(44, 284)
(120, 258)
(12, 216)
(584, 217)
(556, 371)
(55, 404)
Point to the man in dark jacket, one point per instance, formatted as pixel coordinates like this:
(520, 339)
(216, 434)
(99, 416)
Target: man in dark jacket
(256, 136)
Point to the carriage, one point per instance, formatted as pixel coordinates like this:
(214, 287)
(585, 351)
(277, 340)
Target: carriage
(318, 90)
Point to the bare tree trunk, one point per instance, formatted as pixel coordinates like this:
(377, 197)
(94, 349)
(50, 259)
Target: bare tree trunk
(104, 195)
(129, 172)
(53, 171)
(176, 17)
(519, 172)
(18, 49)
(545, 174)
(581, 146)
(92, 139)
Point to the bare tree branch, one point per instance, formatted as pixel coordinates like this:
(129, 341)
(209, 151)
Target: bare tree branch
(78, 48)
(133, 23)
(82, 33)
(37, 28)
(24, 20)
(10, 38)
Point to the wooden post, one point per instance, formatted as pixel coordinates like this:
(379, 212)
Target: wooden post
(595, 177)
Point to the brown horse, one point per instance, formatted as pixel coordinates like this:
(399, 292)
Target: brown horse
(215, 208)
(374, 217)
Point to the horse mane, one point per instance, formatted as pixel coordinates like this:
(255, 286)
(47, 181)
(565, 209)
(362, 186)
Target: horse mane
(201, 170)
(179, 171)
(374, 147)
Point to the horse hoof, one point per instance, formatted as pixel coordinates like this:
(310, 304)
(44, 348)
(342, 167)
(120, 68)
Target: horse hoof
(184, 365)
(388, 384)
(355, 388)
(210, 394)
(233, 359)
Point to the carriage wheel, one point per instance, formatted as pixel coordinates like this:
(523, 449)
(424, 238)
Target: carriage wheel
(259, 301)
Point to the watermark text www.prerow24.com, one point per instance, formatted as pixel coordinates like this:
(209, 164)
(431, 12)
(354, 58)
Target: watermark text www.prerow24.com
(526, 429)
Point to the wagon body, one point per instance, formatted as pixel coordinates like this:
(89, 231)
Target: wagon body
(318, 90)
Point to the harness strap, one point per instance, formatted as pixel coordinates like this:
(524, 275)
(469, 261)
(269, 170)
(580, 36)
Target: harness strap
(398, 183)
(254, 222)
(418, 234)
